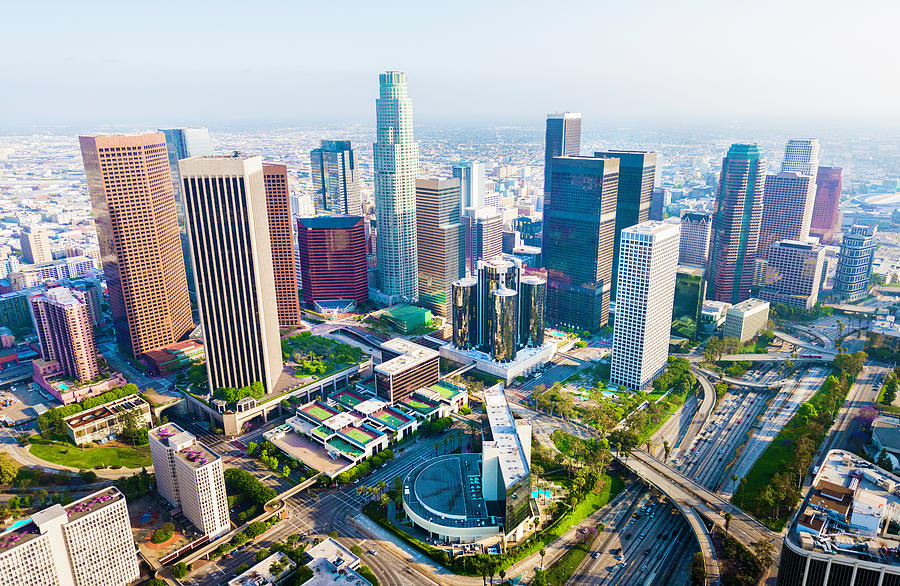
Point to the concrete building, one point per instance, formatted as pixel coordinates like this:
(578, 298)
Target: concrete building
(746, 319)
(335, 179)
(787, 209)
(660, 198)
(562, 139)
(101, 423)
(471, 183)
(174, 357)
(801, 155)
(231, 252)
(648, 261)
(442, 242)
(87, 542)
(483, 228)
(332, 253)
(35, 245)
(793, 274)
(281, 234)
(333, 565)
(696, 232)
(854, 267)
(826, 215)
(190, 475)
(405, 368)
(130, 186)
(62, 321)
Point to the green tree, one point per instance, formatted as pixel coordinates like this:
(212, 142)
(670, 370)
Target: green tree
(180, 570)
(9, 470)
(884, 461)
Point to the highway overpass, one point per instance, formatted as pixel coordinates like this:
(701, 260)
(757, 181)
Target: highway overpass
(804, 345)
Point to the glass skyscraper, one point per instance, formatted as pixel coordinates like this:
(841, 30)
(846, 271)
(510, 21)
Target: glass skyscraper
(332, 168)
(562, 139)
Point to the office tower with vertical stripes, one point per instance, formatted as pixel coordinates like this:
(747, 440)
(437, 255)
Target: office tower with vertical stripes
(281, 232)
(231, 249)
(801, 155)
(854, 268)
(396, 157)
(736, 224)
(130, 186)
(562, 139)
(441, 242)
(62, 319)
(483, 228)
(471, 183)
(696, 230)
(826, 215)
(332, 255)
(789, 196)
(793, 274)
(335, 179)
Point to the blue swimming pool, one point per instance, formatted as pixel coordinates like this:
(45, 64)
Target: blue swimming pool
(544, 493)
(16, 525)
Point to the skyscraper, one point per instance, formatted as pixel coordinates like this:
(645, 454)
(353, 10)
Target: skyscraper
(647, 266)
(130, 186)
(441, 243)
(562, 139)
(281, 232)
(483, 229)
(471, 183)
(332, 253)
(579, 235)
(396, 166)
(62, 319)
(637, 174)
(793, 274)
(660, 197)
(696, 229)
(801, 155)
(789, 196)
(35, 245)
(332, 167)
(231, 250)
(826, 217)
(854, 268)
(736, 223)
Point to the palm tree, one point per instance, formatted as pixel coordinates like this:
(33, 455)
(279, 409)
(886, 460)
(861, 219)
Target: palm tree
(728, 517)
(502, 576)
(667, 449)
(649, 447)
(543, 552)
(734, 478)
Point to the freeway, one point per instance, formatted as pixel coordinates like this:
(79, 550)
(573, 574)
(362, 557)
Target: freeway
(803, 344)
(863, 392)
(740, 382)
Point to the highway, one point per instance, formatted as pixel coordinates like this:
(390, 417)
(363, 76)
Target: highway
(864, 391)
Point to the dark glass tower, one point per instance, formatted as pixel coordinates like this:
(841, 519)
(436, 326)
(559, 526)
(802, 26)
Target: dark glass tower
(563, 139)
(332, 168)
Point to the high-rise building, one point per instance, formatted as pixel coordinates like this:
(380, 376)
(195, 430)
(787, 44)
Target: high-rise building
(62, 319)
(801, 155)
(231, 250)
(696, 229)
(854, 268)
(332, 167)
(660, 197)
(562, 139)
(637, 174)
(826, 217)
(441, 242)
(190, 475)
(332, 253)
(471, 183)
(793, 274)
(87, 542)
(736, 224)
(396, 167)
(483, 228)
(787, 209)
(579, 234)
(130, 186)
(281, 233)
(35, 245)
(648, 261)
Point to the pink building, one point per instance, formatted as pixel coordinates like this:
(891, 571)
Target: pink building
(826, 217)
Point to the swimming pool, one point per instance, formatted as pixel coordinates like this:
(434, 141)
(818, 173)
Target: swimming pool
(17, 524)
(608, 393)
(558, 334)
(543, 493)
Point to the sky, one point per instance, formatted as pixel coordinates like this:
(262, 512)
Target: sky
(468, 62)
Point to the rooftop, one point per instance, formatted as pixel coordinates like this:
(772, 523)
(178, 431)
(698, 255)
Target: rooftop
(749, 305)
(113, 408)
(412, 355)
(260, 574)
(330, 222)
(513, 462)
(447, 491)
(885, 325)
(333, 564)
(197, 455)
(887, 430)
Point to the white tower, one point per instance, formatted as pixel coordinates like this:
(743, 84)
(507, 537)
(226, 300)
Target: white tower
(801, 155)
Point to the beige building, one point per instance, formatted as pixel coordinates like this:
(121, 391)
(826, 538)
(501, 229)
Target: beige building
(105, 421)
(441, 242)
(746, 319)
(793, 274)
(62, 319)
(35, 245)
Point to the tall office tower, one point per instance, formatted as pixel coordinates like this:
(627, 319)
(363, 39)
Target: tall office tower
(801, 155)
(647, 266)
(130, 185)
(736, 223)
(579, 234)
(826, 217)
(442, 253)
(85, 543)
(396, 166)
(483, 229)
(637, 174)
(854, 268)
(332, 167)
(281, 233)
(62, 319)
(562, 139)
(696, 229)
(793, 274)
(660, 197)
(471, 183)
(35, 245)
(332, 253)
(231, 250)
(190, 475)
(787, 209)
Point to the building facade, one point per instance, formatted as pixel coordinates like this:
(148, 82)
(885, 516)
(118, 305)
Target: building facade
(35, 245)
(561, 139)
(332, 168)
(62, 320)
(648, 261)
(441, 242)
(660, 198)
(130, 186)
(406, 367)
(696, 232)
(746, 319)
(231, 251)
(332, 253)
(483, 228)
(854, 267)
(801, 155)
(787, 209)
(826, 215)
(471, 183)
(793, 274)
(106, 421)
(281, 234)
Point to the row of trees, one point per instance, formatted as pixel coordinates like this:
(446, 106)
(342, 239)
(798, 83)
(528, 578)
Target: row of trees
(232, 395)
(247, 492)
(51, 421)
(365, 467)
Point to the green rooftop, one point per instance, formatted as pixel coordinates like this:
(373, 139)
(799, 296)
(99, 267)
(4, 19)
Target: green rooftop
(357, 435)
(444, 390)
(322, 431)
(417, 405)
(407, 317)
(345, 447)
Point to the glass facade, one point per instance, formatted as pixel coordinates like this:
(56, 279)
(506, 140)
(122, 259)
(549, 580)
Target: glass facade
(504, 324)
(517, 506)
(464, 315)
(532, 296)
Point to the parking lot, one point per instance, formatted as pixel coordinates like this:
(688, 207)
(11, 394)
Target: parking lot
(19, 403)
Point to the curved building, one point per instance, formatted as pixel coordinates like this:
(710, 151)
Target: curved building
(532, 294)
(504, 324)
(854, 267)
(463, 293)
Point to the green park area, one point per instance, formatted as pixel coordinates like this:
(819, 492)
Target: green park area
(320, 413)
(66, 454)
(357, 435)
(318, 356)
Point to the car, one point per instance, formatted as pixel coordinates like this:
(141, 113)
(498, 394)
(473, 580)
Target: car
(372, 552)
(610, 568)
(615, 550)
(644, 568)
(647, 551)
(642, 536)
(622, 564)
(595, 555)
(617, 557)
(659, 535)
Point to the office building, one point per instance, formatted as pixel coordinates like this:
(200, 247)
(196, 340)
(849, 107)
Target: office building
(231, 251)
(562, 139)
(62, 320)
(483, 228)
(696, 231)
(787, 209)
(281, 235)
(793, 274)
(332, 253)
(87, 542)
(736, 223)
(335, 179)
(130, 186)
(396, 157)
(648, 260)
(441, 243)
(637, 174)
(746, 319)
(660, 198)
(854, 266)
(471, 183)
(35, 245)
(826, 215)
(801, 155)
(190, 475)
(579, 234)
(406, 367)
(105, 422)
(331, 563)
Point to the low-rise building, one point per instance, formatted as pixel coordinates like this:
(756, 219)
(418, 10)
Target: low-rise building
(106, 421)
(884, 332)
(407, 366)
(168, 359)
(712, 315)
(333, 564)
(746, 319)
(271, 571)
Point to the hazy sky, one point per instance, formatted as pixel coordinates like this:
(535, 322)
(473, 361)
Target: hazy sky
(211, 62)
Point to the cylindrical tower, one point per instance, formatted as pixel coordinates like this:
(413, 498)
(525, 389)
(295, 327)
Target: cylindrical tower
(504, 325)
(463, 296)
(532, 295)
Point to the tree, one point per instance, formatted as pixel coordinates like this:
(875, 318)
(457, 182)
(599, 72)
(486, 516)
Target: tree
(884, 461)
(87, 476)
(807, 412)
(764, 551)
(667, 449)
(131, 429)
(728, 516)
(698, 570)
(180, 570)
(8, 470)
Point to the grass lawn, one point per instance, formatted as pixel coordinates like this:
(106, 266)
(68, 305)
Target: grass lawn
(676, 401)
(560, 572)
(69, 455)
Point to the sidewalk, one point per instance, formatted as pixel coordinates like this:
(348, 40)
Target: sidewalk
(24, 457)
